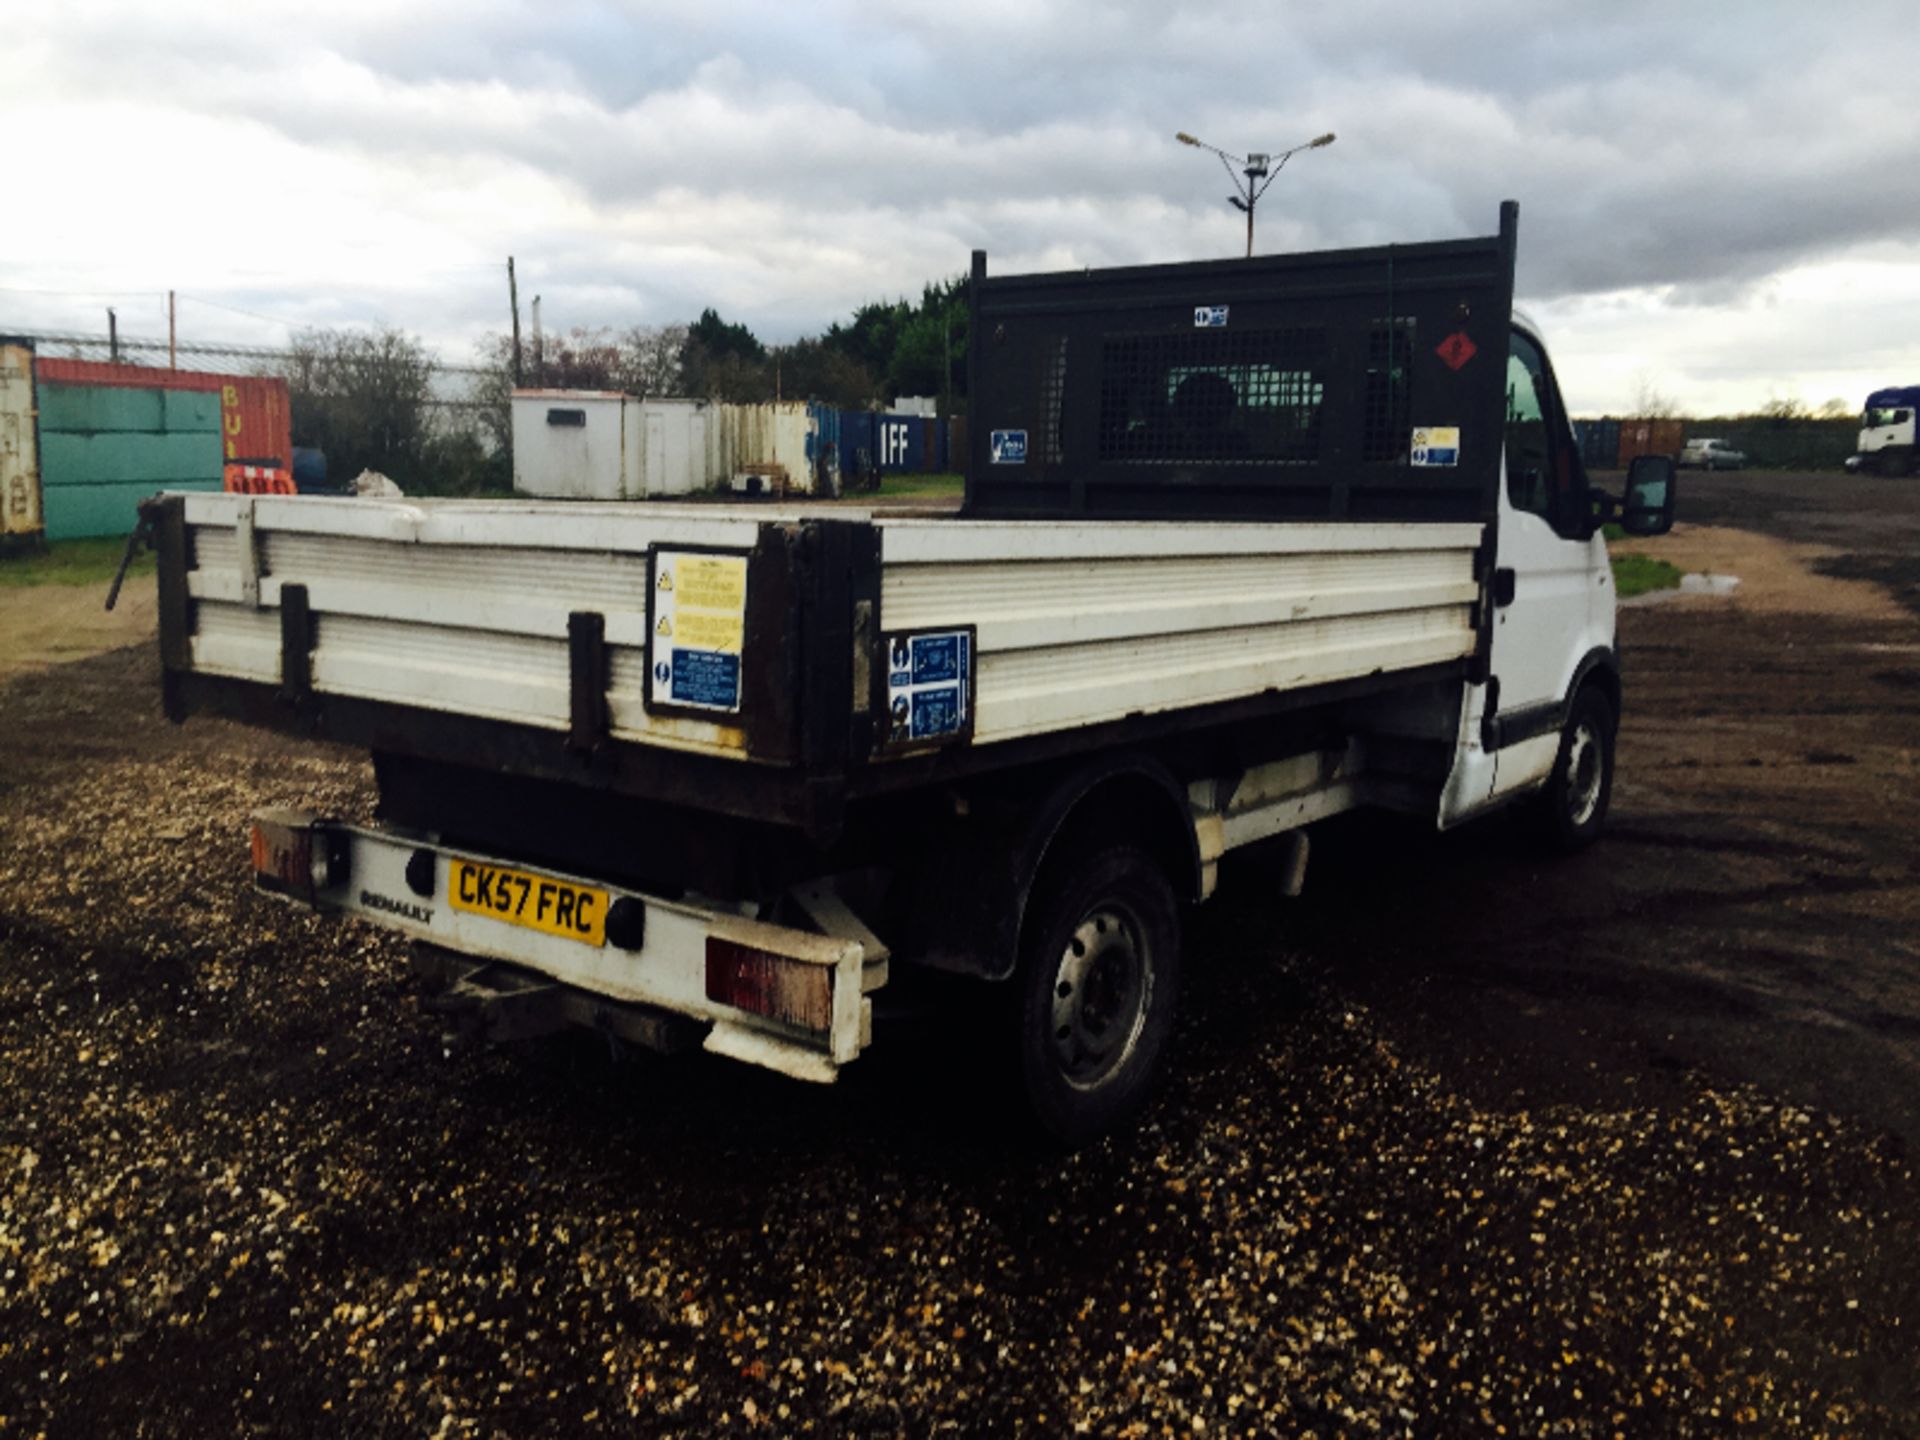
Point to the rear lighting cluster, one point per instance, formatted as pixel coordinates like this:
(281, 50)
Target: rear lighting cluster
(293, 857)
(762, 982)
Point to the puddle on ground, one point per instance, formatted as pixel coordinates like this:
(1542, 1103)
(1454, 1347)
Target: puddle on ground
(1689, 585)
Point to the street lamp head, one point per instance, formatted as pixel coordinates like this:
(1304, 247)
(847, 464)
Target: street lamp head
(1260, 167)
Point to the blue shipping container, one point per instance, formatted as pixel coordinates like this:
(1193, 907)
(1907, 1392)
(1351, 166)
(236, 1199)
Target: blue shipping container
(901, 442)
(857, 453)
(893, 444)
(1599, 442)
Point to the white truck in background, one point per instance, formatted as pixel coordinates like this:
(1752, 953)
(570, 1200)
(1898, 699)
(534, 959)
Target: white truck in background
(1245, 544)
(1886, 443)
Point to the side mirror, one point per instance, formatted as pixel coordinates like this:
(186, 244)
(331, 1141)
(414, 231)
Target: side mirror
(1647, 508)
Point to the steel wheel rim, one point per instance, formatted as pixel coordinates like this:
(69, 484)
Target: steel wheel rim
(1101, 989)
(1585, 770)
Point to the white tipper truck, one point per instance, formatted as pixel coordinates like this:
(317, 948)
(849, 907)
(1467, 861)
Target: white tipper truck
(1245, 544)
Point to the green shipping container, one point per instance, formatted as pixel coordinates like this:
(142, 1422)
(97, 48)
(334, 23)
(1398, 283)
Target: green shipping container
(104, 449)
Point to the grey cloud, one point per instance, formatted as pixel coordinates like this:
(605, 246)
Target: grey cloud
(785, 158)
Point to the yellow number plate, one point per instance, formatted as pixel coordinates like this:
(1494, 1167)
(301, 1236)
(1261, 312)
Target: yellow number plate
(536, 902)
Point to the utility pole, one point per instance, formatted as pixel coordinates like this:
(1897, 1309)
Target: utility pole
(513, 297)
(113, 336)
(173, 358)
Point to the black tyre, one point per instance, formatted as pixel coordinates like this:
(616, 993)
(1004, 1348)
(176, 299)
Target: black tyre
(1096, 992)
(1572, 808)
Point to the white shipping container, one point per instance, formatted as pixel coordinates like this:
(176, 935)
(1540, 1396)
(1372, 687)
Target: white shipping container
(780, 437)
(575, 445)
(676, 445)
(603, 445)
(20, 519)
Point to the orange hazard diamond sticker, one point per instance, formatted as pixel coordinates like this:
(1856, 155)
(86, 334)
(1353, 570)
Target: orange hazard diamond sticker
(1456, 349)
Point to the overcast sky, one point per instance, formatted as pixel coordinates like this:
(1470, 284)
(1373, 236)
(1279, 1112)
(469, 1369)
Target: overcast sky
(1721, 201)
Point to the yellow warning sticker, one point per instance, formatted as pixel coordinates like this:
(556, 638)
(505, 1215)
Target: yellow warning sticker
(699, 630)
(703, 630)
(712, 582)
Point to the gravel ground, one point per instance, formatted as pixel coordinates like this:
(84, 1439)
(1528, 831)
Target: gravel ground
(1390, 1189)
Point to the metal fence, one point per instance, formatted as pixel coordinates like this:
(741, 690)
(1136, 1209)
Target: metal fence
(454, 388)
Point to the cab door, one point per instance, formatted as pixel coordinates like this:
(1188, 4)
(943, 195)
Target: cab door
(1553, 596)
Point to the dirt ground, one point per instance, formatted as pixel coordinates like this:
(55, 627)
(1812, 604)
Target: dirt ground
(1776, 577)
(1462, 1141)
(52, 624)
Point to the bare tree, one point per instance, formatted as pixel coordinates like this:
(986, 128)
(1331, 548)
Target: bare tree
(493, 390)
(362, 397)
(653, 358)
(1649, 401)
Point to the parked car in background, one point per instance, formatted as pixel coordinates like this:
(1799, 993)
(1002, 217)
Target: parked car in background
(1711, 455)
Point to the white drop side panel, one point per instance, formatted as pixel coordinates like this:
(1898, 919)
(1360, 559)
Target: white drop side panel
(1079, 624)
(444, 605)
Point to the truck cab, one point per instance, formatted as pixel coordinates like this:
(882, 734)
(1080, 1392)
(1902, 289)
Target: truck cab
(1552, 594)
(1886, 443)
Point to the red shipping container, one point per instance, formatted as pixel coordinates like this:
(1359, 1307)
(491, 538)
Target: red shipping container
(1649, 437)
(256, 418)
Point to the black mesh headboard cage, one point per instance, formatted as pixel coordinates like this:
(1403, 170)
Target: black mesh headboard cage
(1343, 384)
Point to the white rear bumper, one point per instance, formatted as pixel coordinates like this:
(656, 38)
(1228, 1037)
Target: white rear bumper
(809, 1010)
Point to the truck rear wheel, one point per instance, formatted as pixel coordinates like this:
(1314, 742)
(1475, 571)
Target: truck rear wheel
(1097, 989)
(1574, 805)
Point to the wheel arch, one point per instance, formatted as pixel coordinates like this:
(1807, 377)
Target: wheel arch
(1600, 668)
(1134, 801)
(972, 899)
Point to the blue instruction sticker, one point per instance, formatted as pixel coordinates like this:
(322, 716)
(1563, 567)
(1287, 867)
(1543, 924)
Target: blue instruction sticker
(1008, 447)
(927, 685)
(936, 712)
(936, 657)
(707, 678)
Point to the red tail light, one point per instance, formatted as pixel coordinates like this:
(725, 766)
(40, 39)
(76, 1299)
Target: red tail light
(291, 856)
(764, 983)
(282, 857)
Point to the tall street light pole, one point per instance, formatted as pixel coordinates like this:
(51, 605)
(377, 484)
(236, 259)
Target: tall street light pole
(1260, 169)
